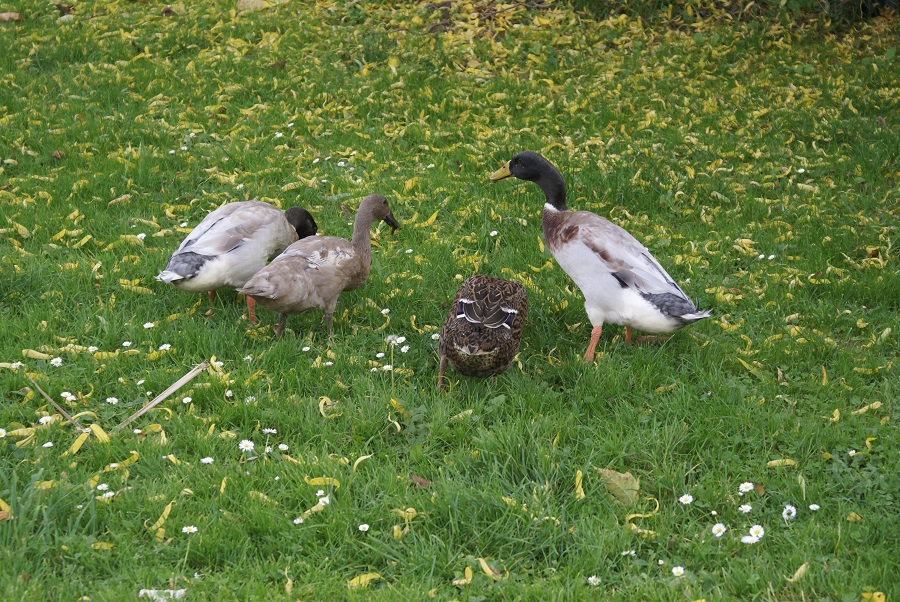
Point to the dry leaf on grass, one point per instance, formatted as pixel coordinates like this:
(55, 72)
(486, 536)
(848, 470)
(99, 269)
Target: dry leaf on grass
(622, 486)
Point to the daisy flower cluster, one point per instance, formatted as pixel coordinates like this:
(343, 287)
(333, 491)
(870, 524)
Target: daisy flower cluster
(754, 534)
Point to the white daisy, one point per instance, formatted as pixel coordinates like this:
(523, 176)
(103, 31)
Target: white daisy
(56, 362)
(757, 531)
(745, 508)
(363, 527)
(749, 539)
(686, 499)
(246, 445)
(593, 580)
(719, 529)
(789, 512)
(189, 529)
(206, 460)
(46, 419)
(814, 507)
(745, 487)
(678, 571)
(147, 325)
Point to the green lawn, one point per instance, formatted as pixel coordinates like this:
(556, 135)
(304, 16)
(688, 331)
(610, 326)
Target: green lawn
(757, 159)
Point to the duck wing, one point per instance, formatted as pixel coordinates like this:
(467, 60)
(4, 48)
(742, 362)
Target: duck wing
(228, 227)
(630, 262)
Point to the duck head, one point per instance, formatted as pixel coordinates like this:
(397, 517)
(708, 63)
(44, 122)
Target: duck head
(302, 221)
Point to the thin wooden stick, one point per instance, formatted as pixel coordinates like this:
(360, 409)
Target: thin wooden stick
(162, 396)
(58, 407)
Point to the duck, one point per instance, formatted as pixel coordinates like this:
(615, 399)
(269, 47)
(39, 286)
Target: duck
(232, 244)
(314, 271)
(621, 281)
(483, 329)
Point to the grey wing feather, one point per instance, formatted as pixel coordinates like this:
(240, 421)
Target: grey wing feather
(626, 258)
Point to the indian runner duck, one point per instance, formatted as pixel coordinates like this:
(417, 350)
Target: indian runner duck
(482, 332)
(233, 243)
(314, 271)
(621, 281)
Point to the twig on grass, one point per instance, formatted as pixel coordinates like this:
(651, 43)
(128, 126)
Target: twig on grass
(58, 407)
(162, 396)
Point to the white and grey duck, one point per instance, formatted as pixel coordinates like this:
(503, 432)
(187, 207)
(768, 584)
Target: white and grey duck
(621, 281)
(312, 273)
(232, 244)
(483, 329)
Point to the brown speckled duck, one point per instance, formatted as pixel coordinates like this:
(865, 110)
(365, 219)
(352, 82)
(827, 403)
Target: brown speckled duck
(621, 281)
(231, 244)
(314, 271)
(482, 332)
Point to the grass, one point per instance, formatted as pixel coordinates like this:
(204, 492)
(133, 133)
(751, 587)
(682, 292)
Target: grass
(757, 160)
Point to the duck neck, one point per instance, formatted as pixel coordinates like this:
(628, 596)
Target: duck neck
(554, 189)
(362, 243)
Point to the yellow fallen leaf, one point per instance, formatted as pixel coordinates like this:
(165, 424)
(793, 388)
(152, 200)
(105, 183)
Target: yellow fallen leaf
(222, 486)
(394, 423)
(323, 482)
(99, 433)
(853, 517)
(35, 355)
(489, 570)
(835, 416)
(102, 545)
(863, 410)
(874, 596)
(781, 462)
(461, 415)
(397, 531)
(579, 490)
(645, 533)
(140, 290)
(162, 517)
(262, 497)
(4, 506)
(623, 487)
(399, 407)
(44, 485)
(362, 580)
(325, 407)
(464, 580)
(428, 221)
(359, 460)
(79, 441)
(407, 515)
(869, 442)
(798, 574)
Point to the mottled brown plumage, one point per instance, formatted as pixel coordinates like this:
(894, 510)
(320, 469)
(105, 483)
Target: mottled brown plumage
(484, 327)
